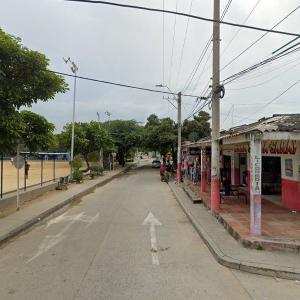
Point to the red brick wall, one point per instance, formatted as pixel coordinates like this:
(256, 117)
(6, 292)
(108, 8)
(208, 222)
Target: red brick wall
(290, 194)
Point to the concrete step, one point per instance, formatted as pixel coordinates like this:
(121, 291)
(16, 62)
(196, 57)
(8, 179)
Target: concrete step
(195, 199)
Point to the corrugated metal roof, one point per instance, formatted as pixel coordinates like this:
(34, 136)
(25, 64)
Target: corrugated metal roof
(276, 123)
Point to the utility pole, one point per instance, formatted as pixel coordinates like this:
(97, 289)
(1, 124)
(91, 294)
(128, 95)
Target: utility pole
(179, 138)
(74, 70)
(101, 150)
(215, 153)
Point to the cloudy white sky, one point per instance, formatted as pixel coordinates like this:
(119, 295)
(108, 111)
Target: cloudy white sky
(126, 45)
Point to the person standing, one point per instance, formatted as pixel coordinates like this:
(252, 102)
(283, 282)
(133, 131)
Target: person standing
(27, 166)
(186, 168)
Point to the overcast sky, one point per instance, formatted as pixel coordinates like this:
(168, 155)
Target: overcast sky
(125, 45)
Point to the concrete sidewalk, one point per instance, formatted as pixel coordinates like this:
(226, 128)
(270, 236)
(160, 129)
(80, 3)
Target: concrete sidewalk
(228, 252)
(50, 202)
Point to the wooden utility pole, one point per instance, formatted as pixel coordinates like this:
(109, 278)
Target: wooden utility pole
(215, 153)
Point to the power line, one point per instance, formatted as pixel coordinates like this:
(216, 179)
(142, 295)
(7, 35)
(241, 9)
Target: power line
(207, 98)
(184, 41)
(197, 103)
(264, 82)
(228, 113)
(261, 37)
(121, 84)
(187, 15)
(206, 47)
(253, 67)
(244, 22)
(163, 46)
(173, 42)
(260, 73)
(206, 103)
(272, 100)
(196, 67)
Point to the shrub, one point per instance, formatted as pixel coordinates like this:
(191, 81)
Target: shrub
(94, 157)
(77, 162)
(96, 170)
(77, 175)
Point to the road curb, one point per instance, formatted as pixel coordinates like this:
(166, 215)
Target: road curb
(231, 262)
(26, 225)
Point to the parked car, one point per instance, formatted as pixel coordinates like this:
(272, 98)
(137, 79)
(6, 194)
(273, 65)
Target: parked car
(155, 163)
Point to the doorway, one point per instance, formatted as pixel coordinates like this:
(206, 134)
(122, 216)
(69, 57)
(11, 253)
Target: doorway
(271, 175)
(243, 168)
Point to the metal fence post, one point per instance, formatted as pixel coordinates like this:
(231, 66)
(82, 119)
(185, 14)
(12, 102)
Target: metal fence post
(42, 167)
(54, 168)
(1, 192)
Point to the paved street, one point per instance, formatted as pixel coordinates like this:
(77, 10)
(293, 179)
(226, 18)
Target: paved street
(127, 240)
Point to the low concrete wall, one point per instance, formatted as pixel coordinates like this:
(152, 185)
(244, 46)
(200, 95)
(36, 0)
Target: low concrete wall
(10, 199)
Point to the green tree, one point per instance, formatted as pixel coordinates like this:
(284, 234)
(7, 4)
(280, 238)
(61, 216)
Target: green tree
(24, 80)
(197, 128)
(89, 137)
(37, 133)
(126, 135)
(160, 135)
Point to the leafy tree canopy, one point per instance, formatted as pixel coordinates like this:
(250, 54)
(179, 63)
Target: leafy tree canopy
(197, 128)
(37, 133)
(160, 134)
(89, 137)
(24, 79)
(126, 134)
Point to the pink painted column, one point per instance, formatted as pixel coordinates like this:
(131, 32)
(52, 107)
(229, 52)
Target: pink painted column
(203, 170)
(255, 185)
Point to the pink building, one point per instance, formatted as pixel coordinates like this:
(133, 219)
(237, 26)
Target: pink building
(261, 159)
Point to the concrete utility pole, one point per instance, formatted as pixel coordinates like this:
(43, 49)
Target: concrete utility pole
(101, 150)
(74, 70)
(179, 138)
(215, 153)
(255, 184)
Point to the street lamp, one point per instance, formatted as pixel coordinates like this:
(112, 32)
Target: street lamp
(108, 115)
(74, 70)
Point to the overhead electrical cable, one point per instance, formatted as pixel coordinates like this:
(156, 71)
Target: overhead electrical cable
(257, 65)
(228, 113)
(202, 55)
(244, 22)
(264, 82)
(260, 38)
(239, 29)
(121, 84)
(173, 44)
(259, 73)
(163, 44)
(184, 41)
(196, 67)
(272, 100)
(206, 103)
(197, 102)
(187, 15)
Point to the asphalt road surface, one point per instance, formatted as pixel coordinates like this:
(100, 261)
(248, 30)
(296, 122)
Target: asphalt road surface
(127, 240)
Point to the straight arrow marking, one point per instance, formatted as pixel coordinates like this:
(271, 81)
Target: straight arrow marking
(152, 221)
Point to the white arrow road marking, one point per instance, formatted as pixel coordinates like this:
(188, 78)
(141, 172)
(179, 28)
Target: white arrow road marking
(79, 217)
(90, 220)
(51, 240)
(152, 221)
